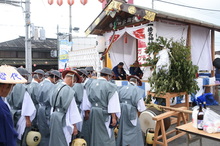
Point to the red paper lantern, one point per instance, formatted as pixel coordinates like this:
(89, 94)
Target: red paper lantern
(101, 1)
(83, 2)
(70, 2)
(59, 2)
(50, 2)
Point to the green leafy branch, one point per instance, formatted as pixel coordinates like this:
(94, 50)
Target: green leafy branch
(181, 76)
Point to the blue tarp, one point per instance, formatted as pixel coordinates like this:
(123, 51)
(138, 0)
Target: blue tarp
(208, 98)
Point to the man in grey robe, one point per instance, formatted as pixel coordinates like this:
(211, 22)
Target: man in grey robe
(81, 94)
(45, 93)
(33, 90)
(91, 72)
(65, 113)
(131, 100)
(22, 108)
(105, 106)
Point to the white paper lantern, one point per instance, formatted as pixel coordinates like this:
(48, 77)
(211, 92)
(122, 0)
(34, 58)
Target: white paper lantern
(100, 40)
(150, 33)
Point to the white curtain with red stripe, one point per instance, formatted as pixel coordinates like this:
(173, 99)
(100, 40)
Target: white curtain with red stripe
(124, 46)
(137, 32)
(123, 52)
(108, 36)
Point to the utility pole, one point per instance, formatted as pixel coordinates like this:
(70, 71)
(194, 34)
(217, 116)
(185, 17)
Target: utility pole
(70, 27)
(58, 46)
(28, 51)
(152, 4)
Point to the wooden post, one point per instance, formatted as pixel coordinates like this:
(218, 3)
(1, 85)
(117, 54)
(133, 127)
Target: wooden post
(188, 40)
(213, 50)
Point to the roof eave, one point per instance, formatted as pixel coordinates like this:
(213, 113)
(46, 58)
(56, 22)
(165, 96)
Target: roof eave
(159, 15)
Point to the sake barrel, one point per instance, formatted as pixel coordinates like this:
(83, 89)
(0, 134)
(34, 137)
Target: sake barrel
(147, 122)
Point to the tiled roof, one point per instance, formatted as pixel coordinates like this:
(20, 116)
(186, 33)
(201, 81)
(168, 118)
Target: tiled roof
(18, 61)
(19, 44)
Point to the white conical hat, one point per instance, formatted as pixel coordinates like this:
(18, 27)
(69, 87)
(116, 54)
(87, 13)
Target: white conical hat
(10, 75)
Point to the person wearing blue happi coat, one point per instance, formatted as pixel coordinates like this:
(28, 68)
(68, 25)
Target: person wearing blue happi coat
(8, 77)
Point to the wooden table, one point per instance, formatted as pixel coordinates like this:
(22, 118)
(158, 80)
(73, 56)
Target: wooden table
(170, 95)
(192, 130)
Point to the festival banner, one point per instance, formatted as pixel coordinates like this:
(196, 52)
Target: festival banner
(65, 48)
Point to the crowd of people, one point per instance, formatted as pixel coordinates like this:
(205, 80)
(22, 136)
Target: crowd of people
(71, 104)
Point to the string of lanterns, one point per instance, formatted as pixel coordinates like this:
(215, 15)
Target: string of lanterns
(71, 2)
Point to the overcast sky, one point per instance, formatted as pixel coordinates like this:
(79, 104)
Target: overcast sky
(49, 16)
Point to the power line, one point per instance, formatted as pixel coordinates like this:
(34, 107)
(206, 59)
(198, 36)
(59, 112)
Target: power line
(189, 6)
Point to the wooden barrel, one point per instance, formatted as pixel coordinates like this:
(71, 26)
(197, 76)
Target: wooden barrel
(147, 122)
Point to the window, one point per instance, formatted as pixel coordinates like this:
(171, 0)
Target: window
(8, 54)
(41, 55)
(21, 54)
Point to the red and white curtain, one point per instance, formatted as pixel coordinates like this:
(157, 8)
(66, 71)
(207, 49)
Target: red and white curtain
(124, 46)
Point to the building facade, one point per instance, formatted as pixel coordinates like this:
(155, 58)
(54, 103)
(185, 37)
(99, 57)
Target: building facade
(13, 53)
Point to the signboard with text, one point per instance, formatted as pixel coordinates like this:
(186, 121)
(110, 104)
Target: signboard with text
(141, 52)
(65, 48)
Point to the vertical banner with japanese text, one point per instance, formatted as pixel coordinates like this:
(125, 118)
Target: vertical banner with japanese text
(141, 52)
(142, 56)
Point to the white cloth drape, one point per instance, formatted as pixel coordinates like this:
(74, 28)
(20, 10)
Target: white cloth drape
(201, 47)
(123, 52)
(169, 29)
(126, 52)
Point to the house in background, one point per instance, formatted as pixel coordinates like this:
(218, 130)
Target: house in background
(13, 53)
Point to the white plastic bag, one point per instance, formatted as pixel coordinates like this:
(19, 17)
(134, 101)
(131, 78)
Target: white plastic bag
(164, 62)
(194, 115)
(211, 121)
